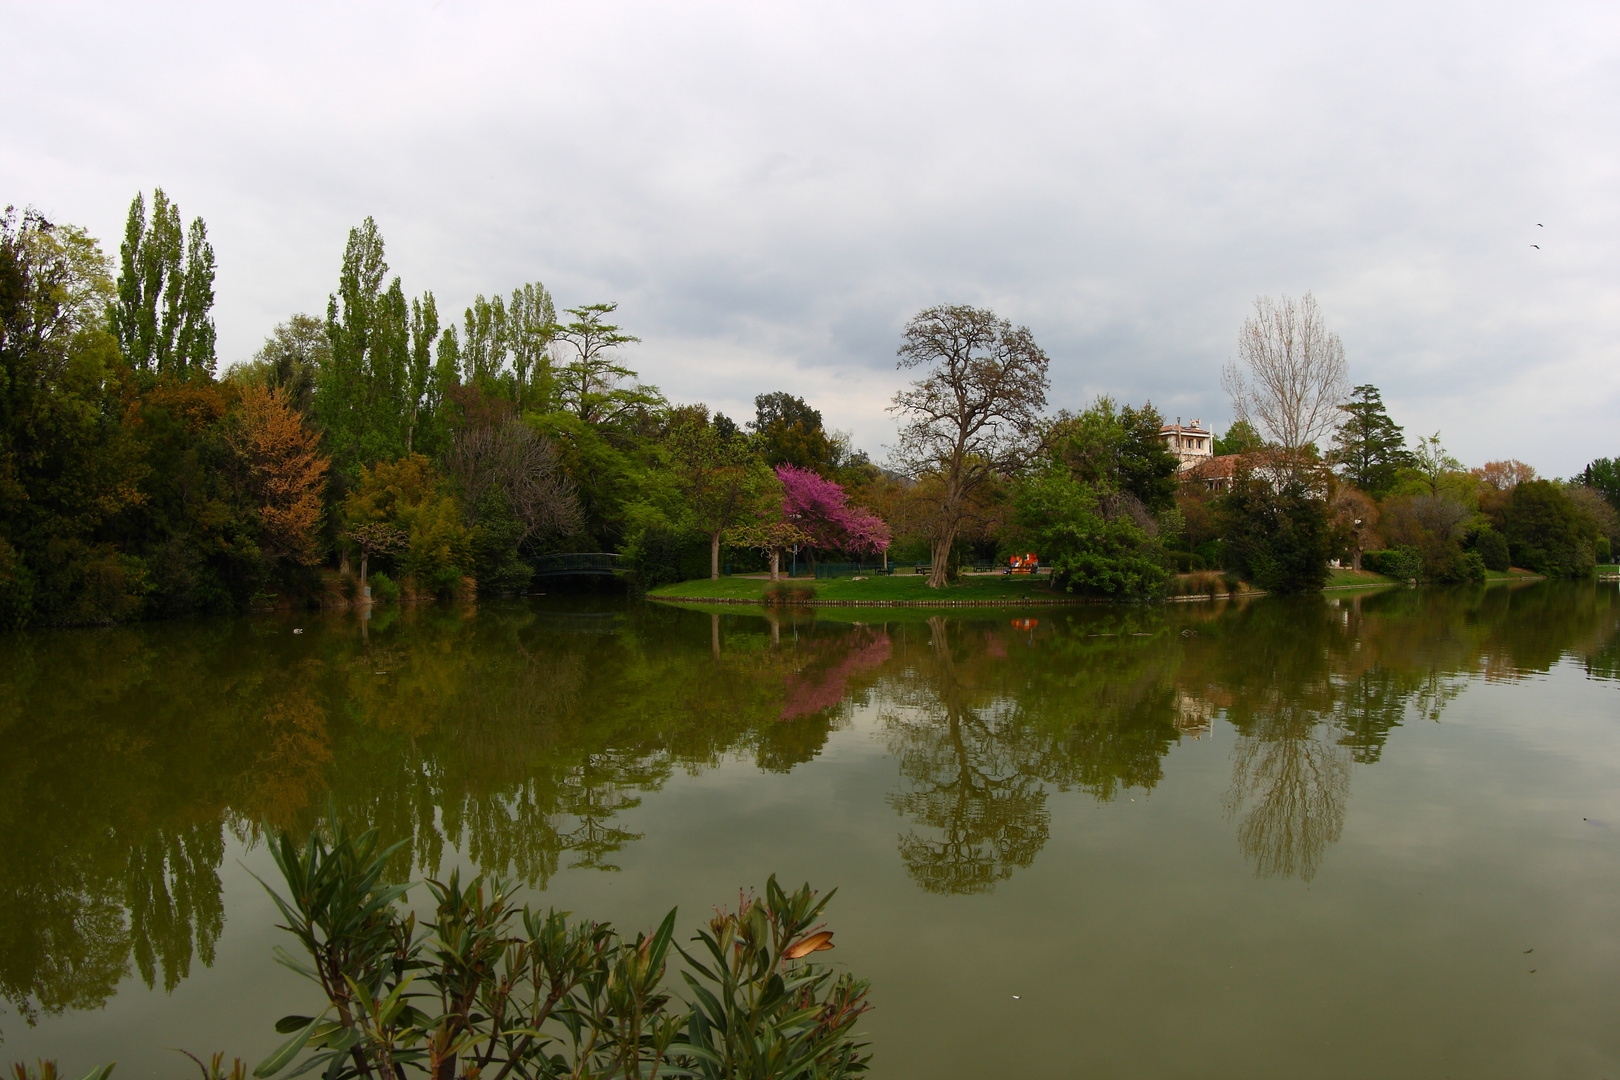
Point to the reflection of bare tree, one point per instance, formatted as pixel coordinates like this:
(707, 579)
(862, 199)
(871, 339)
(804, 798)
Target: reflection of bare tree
(970, 782)
(1289, 786)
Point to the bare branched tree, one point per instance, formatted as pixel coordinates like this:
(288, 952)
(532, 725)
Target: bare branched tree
(973, 417)
(1290, 373)
(510, 457)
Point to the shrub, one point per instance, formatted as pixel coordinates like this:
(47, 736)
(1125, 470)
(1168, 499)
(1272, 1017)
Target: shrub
(1187, 562)
(484, 988)
(1602, 550)
(384, 589)
(1493, 549)
(1199, 583)
(1453, 566)
(780, 593)
(1402, 564)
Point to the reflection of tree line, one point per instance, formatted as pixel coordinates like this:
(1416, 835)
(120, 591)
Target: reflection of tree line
(507, 736)
(515, 740)
(982, 727)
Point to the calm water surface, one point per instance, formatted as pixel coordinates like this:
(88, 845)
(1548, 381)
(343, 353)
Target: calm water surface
(1352, 837)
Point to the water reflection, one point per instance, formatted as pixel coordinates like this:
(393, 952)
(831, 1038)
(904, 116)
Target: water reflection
(520, 735)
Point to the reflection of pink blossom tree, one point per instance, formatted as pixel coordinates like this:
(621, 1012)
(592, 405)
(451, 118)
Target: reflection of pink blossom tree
(820, 508)
(815, 688)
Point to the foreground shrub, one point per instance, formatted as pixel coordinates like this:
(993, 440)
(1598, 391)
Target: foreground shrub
(489, 991)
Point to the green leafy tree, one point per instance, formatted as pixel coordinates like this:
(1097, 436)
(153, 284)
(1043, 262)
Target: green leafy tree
(404, 505)
(484, 343)
(426, 389)
(1547, 533)
(1604, 475)
(290, 360)
(789, 432)
(1276, 535)
(1091, 551)
(68, 469)
(344, 402)
(1118, 450)
(161, 316)
(1369, 447)
(1240, 438)
(723, 482)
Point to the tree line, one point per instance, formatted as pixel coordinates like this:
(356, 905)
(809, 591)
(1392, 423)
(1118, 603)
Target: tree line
(386, 445)
(1319, 471)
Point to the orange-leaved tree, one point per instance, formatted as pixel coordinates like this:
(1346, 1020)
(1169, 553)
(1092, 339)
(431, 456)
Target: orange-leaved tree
(286, 474)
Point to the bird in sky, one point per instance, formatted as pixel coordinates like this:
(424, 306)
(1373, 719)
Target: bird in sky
(1536, 246)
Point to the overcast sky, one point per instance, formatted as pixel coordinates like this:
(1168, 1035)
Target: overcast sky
(770, 190)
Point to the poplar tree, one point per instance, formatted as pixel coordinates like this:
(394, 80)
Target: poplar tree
(531, 320)
(374, 384)
(161, 317)
(352, 317)
(424, 393)
(484, 345)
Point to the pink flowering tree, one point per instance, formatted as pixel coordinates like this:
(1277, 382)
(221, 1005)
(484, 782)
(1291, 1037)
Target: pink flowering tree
(820, 509)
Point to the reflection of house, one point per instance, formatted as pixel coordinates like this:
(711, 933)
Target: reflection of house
(1192, 445)
(1193, 716)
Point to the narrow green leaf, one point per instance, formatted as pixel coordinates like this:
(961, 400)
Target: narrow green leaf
(287, 1051)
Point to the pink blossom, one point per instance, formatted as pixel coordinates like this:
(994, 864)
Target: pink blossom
(821, 509)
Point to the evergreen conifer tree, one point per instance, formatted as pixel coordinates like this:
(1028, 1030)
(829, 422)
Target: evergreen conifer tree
(1369, 447)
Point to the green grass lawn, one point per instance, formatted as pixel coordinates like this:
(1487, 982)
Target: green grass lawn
(898, 587)
(1514, 574)
(1342, 578)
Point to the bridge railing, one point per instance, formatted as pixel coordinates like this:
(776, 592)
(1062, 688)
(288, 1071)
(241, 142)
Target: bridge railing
(580, 562)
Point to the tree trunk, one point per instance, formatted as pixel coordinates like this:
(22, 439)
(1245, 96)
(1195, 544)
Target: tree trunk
(776, 564)
(714, 556)
(362, 567)
(942, 556)
(1355, 558)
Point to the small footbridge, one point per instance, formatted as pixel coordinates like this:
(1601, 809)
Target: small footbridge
(580, 563)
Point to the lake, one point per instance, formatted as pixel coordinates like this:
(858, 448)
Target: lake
(1344, 836)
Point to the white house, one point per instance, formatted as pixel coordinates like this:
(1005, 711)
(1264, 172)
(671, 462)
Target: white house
(1193, 444)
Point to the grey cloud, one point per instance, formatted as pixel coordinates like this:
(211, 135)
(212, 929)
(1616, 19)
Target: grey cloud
(771, 191)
